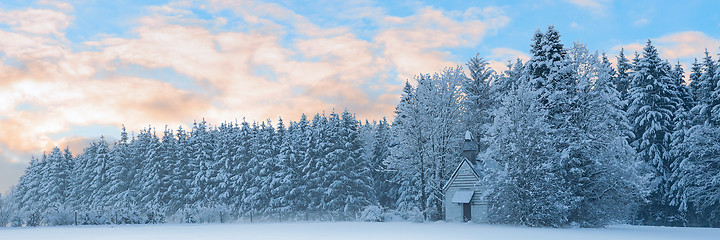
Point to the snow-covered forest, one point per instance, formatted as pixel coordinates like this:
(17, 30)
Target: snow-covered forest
(566, 138)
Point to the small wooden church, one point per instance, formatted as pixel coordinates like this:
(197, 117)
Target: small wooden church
(464, 199)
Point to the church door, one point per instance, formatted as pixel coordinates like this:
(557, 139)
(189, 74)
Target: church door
(466, 212)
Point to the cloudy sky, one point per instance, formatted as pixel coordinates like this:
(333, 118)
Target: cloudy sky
(72, 71)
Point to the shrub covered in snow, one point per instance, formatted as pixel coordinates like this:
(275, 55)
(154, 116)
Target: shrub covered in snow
(372, 213)
(59, 216)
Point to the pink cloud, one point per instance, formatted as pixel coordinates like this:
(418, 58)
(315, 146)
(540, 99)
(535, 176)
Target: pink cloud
(673, 46)
(499, 58)
(257, 74)
(36, 21)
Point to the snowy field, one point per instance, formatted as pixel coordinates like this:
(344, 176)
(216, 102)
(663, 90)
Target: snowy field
(350, 230)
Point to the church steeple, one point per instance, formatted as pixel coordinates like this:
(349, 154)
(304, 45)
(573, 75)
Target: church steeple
(469, 148)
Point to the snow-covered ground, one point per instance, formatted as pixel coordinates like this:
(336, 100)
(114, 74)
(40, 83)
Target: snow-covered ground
(350, 230)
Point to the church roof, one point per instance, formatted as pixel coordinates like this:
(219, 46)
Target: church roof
(465, 161)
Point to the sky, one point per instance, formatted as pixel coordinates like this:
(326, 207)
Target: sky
(72, 71)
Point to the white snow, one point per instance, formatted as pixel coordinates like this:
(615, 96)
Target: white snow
(351, 230)
(462, 196)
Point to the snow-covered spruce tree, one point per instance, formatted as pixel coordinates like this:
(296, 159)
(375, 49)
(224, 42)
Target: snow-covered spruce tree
(702, 86)
(622, 80)
(282, 174)
(334, 162)
(714, 102)
(167, 165)
(224, 148)
(240, 167)
(257, 174)
(478, 104)
(605, 187)
(351, 186)
(25, 191)
(56, 187)
(201, 145)
(149, 176)
(653, 102)
(298, 138)
(317, 168)
(92, 166)
(182, 175)
(404, 154)
(265, 156)
(697, 191)
(508, 80)
(683, 122)
(694, 81)
(120, 177)
(385, 190)
(366, 138)
(172, 187)
(696, 188)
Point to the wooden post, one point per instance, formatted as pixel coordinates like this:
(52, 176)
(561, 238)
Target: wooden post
(251, 216)
(75, 218)
(221, 217)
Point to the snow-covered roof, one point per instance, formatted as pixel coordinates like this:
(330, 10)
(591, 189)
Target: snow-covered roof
(454, 175)
(463, 196)
(468, 135)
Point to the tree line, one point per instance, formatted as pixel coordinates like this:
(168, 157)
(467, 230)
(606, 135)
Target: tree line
(565, 139)
(234, 168)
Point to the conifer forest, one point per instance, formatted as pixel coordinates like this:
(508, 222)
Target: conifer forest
(570, 137)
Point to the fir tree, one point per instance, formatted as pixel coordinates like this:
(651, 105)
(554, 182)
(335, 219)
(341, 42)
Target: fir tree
(478, 104)
(652, 106)
(623, 79)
